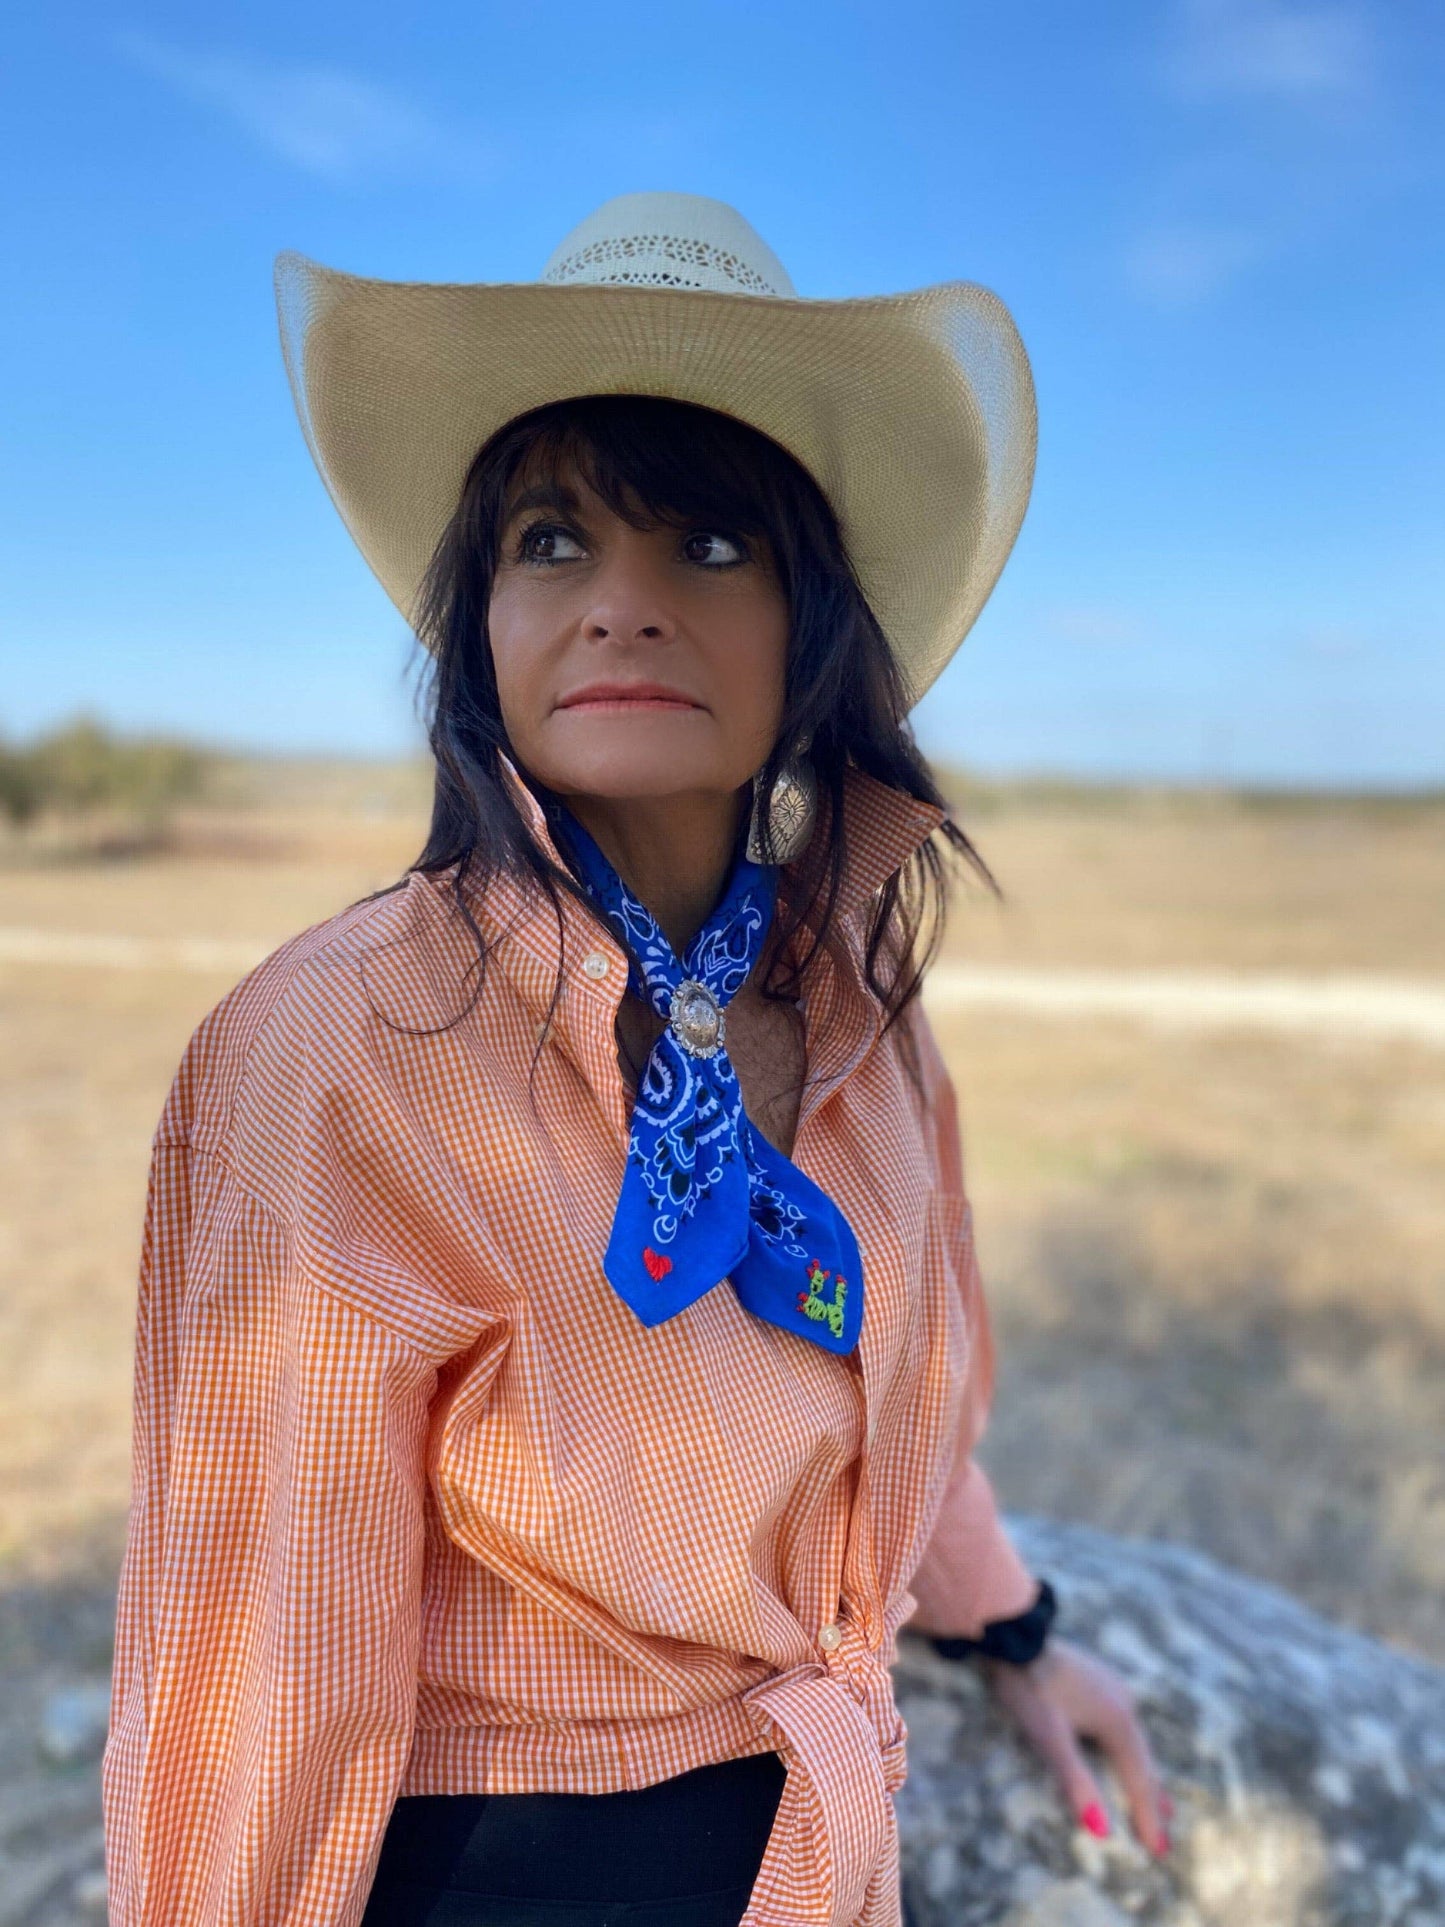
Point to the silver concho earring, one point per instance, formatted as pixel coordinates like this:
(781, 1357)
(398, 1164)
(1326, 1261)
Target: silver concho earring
(781, 825)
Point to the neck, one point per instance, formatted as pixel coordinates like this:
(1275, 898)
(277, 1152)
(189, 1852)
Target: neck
(673, 852)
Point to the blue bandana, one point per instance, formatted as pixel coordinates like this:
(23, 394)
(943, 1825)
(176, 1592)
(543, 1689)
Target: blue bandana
(704, 1196)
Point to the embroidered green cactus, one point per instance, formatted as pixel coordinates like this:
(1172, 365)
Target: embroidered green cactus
(812, 1303)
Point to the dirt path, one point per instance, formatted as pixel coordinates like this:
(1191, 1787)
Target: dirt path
(117, 952)
(1353, 1005)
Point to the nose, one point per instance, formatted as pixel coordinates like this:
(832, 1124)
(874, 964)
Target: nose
(628, 602)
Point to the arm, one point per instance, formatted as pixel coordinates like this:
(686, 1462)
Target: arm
(267, 1627)
(970, 1573)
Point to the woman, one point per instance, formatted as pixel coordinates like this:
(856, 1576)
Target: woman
(560, 1345)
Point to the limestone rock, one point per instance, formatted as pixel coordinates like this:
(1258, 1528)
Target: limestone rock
(73, 1723)
(1306, 1763)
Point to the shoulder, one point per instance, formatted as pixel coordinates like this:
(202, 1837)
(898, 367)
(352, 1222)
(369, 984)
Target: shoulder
(917, 1035)
(908, 1037)
(309, 1010)
(292, 1145)
(922, 1072)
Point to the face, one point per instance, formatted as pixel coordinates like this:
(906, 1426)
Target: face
(640, 663)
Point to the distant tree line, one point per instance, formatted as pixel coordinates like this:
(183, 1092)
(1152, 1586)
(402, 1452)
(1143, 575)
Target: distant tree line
(84, 768)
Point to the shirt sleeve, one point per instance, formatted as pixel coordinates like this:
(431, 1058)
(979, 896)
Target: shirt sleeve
(267, 1629)
(970, 1572)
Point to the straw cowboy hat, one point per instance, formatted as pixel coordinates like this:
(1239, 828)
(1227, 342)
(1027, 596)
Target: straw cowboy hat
(913, 412)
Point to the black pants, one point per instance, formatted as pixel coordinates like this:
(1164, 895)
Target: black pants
(683, 1853)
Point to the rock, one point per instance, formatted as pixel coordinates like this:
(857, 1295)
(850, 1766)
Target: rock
(1306, 1763)
(73, 1723)
(27, 1883)
(89, 1893)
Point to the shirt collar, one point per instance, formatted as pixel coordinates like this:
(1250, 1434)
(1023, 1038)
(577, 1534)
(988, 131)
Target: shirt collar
(569, 973)
(882, 827)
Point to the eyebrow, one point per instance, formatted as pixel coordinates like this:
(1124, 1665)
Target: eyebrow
(544, 495)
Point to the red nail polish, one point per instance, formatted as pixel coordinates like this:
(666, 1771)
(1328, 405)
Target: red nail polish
(1096, 1820)
(1161, 1846)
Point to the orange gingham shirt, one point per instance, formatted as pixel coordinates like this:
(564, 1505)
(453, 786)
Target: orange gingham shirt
(419, 1506)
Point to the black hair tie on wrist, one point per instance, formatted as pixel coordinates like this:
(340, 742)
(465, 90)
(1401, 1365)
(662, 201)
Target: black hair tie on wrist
(1017, 1641)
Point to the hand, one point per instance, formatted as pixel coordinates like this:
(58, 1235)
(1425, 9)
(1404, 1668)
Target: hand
(1067, 1695)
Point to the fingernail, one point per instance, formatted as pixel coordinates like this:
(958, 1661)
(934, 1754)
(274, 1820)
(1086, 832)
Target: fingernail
(1096, 1820)
(1161, 1845)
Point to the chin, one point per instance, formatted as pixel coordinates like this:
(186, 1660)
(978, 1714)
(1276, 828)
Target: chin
(637, 756)
(638, 779)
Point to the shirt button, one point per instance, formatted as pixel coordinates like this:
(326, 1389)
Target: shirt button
(596, 965)
(830, 1637)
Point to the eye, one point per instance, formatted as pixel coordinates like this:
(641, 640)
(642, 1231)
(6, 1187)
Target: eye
(548, 542)
(713, 549)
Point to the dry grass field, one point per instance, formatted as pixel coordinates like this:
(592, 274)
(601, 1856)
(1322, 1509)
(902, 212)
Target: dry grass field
(1216, 1260)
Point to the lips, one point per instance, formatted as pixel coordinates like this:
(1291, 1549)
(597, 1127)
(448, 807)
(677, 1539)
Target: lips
(610, 695)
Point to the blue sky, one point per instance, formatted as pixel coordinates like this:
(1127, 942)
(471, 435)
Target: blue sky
(1217, 222)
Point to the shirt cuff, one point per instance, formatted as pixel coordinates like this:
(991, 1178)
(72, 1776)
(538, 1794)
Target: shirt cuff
(1017, 1641)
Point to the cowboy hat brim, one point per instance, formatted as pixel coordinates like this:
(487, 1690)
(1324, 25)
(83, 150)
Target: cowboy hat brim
(914, 413)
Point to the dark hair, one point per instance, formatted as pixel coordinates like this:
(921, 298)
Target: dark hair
(657, 461)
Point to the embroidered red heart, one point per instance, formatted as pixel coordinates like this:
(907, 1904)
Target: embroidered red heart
(657, 1264)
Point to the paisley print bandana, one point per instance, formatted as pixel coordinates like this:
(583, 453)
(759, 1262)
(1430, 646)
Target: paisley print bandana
(706, 1198)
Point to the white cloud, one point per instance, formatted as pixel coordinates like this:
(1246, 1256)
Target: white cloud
(1178, 264)
(1280, 137)
(1272, 48)
(333, 124)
